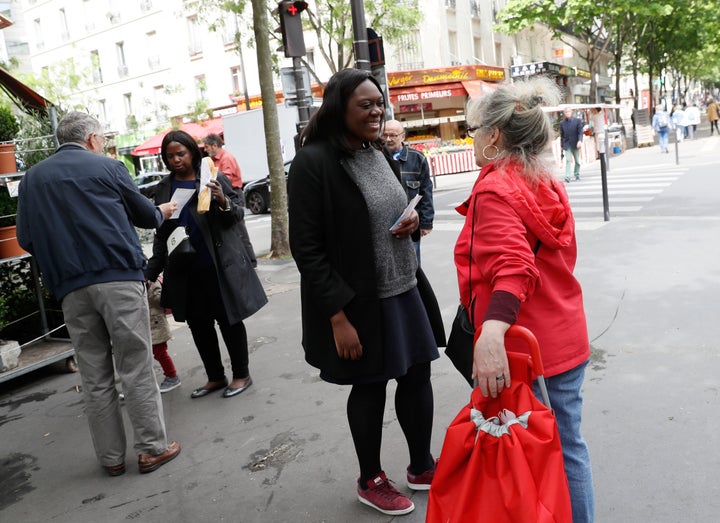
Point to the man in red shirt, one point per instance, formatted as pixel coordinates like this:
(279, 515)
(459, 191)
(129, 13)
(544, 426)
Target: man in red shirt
(224, 161)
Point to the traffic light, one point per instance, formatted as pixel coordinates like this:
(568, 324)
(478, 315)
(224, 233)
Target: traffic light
(291, 27)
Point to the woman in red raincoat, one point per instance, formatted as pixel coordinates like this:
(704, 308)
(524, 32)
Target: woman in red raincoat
(515, 258)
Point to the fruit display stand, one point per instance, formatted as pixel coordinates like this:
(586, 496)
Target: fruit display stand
(456, 156)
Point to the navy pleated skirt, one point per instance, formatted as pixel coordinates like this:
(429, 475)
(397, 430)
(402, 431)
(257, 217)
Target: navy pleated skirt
(408, 339)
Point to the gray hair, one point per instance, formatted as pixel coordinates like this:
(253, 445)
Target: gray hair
(76, 127)
(515, 110)
(213, 139)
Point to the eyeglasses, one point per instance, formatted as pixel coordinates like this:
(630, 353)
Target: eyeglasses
(392, 135)
(472, 131)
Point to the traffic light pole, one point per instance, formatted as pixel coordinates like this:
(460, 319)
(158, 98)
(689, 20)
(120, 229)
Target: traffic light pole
(360, 42)
(302, 98)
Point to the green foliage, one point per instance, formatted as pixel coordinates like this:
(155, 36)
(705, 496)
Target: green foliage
(4, 310)
(9, 126)
(19, 318)
(331, 22)
(8, 207)
(35, 140)
(61, 83)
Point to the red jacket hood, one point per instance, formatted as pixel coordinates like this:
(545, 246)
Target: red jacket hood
(545, 210)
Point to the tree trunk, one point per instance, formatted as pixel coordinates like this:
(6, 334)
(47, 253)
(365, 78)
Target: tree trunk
(279, 237)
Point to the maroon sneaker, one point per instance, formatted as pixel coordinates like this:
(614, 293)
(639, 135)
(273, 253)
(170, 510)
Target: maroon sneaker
(382, 496)
(421, 481)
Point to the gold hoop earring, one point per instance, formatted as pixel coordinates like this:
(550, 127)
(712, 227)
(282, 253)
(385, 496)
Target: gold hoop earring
(497, 152)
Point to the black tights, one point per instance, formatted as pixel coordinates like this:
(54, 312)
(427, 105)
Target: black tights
(414, 409)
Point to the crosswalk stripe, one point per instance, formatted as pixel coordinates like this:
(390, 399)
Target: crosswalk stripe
(612, 200)
(614, 191)
(613, 208)
(628, 191)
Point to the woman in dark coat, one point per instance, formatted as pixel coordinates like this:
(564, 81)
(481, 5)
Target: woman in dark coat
(217, 282)
(366, 307)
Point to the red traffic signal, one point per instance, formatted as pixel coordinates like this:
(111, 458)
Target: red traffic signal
(294, 8)
(291, 27)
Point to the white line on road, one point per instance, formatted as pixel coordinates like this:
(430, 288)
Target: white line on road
(580, 225)
(621, 200)
(581, 192)
(613, 208)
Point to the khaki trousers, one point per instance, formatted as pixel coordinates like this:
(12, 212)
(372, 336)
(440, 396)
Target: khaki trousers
(109, 320)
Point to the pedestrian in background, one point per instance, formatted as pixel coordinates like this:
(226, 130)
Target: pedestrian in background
(661, 125)
(227, 164)
(712, 114)
(215, 281)
(571, 137)
(679, 122)
(693, 118)
(76, 215)
(597, 119)
(415, 176)
(515, 258)
(366, 306)
(160, 334)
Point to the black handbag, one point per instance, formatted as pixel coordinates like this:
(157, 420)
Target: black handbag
(460, 346)
(460, 343)
(181, 252)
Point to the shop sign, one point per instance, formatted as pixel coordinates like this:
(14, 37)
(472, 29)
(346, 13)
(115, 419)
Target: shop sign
(566, 70)
(418, 94)
(535, 68)
(444, 75)
(582, 73)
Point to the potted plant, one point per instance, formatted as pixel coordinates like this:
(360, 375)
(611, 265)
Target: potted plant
(9, 129)
(8, 237)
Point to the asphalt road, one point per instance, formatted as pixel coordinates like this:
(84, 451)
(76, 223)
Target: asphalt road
(281, 451)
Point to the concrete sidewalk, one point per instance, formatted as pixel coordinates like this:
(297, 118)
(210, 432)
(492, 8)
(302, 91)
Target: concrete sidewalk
(281, 451)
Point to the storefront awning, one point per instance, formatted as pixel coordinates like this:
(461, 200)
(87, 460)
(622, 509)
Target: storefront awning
(197, 130)
(477, 88)
(472, 88)
(21, 94)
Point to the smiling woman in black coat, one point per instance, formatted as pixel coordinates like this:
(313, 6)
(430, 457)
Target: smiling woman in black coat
(368, 313)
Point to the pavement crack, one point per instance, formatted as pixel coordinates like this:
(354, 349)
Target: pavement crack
(612, 321)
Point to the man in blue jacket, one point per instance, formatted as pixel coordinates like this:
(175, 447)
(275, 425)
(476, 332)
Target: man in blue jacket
(76, 212)
(571, 137)
(415, 173)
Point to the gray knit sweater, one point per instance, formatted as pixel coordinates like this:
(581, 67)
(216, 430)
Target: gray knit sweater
(395, 260)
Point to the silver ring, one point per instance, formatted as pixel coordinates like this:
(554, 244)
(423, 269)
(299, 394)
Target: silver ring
(500, 378)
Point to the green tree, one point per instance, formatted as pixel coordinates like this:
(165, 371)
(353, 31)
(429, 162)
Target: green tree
(331, 22)
(589, 22)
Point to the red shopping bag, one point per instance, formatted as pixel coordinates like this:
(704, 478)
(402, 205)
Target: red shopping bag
(501, 462)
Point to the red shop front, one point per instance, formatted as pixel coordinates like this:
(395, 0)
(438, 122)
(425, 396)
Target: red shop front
(432, 102)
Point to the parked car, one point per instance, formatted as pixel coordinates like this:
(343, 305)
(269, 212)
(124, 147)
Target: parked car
(146, 182)
(257, 193)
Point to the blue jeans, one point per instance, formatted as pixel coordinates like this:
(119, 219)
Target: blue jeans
(566, 399)
(576, 156)
(416, 246)
(663, 139)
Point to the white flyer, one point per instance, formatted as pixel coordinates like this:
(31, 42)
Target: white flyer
(181, 196)
(406, 213)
